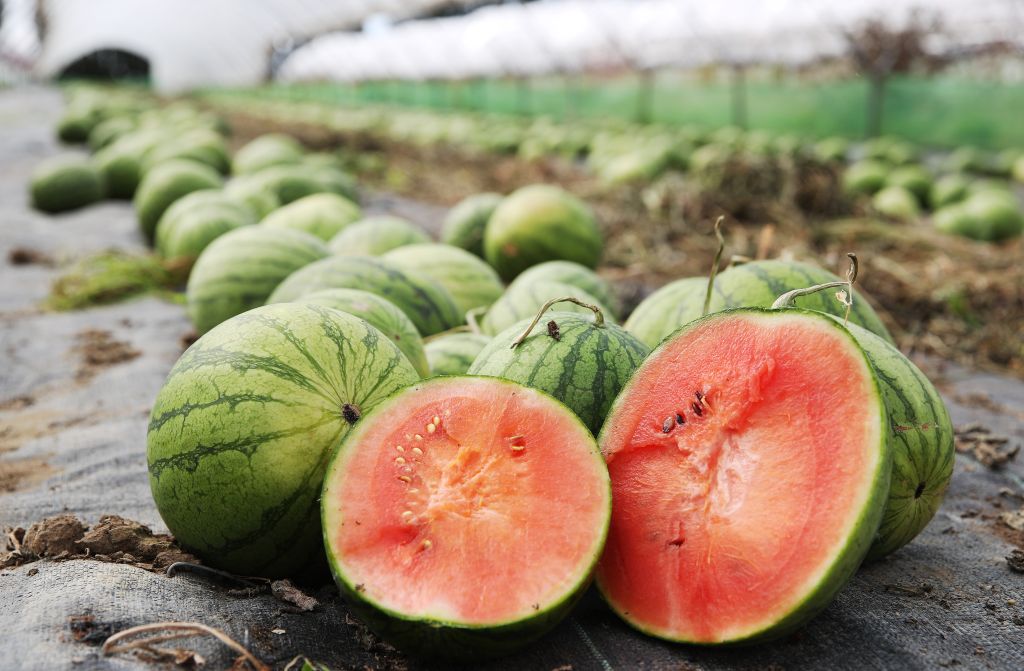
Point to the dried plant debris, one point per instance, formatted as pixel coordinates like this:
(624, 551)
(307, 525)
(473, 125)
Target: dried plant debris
(112, 276)
(990, 449)
(26, 256)
(1013, 519)
(113, 539)
(1015, 561)
(145, 642)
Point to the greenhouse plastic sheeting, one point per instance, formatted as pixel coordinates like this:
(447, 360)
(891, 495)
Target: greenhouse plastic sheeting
(947, 599)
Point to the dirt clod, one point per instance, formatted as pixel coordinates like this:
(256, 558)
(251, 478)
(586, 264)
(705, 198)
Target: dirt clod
(289, 593)
(26, 256)
(114, 539)
(98, 350)
(85, 629)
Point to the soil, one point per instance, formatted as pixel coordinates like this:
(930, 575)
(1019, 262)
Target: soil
(113, 539)
(98, 349)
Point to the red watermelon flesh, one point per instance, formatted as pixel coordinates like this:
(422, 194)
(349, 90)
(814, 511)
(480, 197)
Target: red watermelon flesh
(749, 472)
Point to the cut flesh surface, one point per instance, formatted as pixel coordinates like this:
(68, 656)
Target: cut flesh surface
(466, 501)
(748, 474)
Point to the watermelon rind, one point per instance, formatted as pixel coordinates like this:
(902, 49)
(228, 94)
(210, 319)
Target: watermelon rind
(428, 304)
(240, 269)
(429, 638)
(374, 236)
(242, 430)
(470, 281)
(166, 183)
(453, 353)
(522, 300)
(66, 183)
(465, 223)
(322, 214)
(582, 364)
(575, 274)
(382, 314)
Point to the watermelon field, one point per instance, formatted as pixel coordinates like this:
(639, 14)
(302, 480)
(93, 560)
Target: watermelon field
(467, 382)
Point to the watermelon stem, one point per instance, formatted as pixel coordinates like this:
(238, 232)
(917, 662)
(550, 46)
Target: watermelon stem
(714, 265)
(598, 316)
(845, 297)
(471, 319)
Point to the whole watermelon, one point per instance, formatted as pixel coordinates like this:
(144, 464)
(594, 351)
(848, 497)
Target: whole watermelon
(250, 190)
(668, 308)
(265, 151)
(465, 223)
(428, 304)
(471, 282)
(165, 184)
(240, 269)
(581, 363)
(540, 223)
(196, 220)
(570, 272)
(242, 430)
(66, 183)
(373, 236)
(382, 314)
(322, 214)
(523, 300)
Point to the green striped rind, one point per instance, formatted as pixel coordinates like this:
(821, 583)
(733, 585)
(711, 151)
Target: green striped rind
(265, 151)
(382, 314)
(165, 184)
(585, 367)
(572, 273)
(522, 301)
(201, 145)
(322, 214)
(249, 190)
(540, 223)
(471, 282)
(240, 269)
(465, 223)
(424, 301)
(65, 183)
(292, 182)
(454, 353)
(194, 221)
(375, 235)
(920, 435)
(119, 165)
(434, 638)
(673, 305)
(243, 428)
(853, 552)
(759, 283)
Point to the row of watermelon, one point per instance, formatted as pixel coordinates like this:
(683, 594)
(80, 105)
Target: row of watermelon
(785, 406)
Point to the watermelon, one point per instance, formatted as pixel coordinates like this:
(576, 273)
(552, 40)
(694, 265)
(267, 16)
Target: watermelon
(920, 438)
(382, 314)
(947, 190)
(265, 151)
(669, 307)
(865, 177)
(896, 202)
(453, 353)
(522, 300)
(582, 361)
(914, 178)
(165, 184)
(194, 221)
(65, 183)
(965, 159)
(759, 283)
(242, 430)
(425, 302)
(575, 274)
(465, 223)
(250, 190)
(292, 182)
(997, 216)
(832, 149)
(540, 223)
(201, 145)
(437, 516)
(322, 214)
(240, 269)
(373, 236)
(470, 281)
(109, 130)
(119, 166)
(736, 516)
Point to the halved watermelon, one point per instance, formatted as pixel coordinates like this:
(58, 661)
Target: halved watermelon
(437, 516)
(750, 469)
